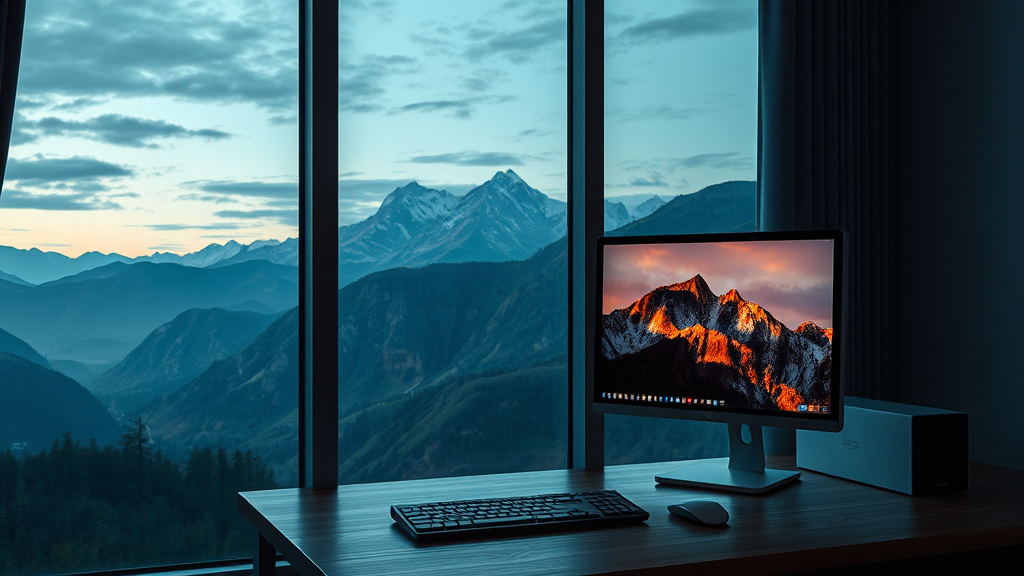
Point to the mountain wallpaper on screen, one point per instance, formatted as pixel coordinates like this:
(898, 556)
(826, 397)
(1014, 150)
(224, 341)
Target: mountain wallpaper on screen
(683, 340)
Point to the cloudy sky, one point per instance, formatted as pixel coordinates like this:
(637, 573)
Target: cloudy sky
(791, 279)
(680, 94)
(448, 93)
(153, 125)
(167, 125)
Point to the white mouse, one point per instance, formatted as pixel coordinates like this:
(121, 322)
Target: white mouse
(706, 512)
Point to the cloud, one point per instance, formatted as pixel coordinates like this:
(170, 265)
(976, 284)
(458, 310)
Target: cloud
(709, 18)
(457, 108)
(21, 200)
(361, 84)
(40, 171)
(76, 104)
(288, 217)
(112, 129)
(722, 161)
(474, 159)
(90, 50)
(462, 109)
(655, 181)
(478, 83)
(651, 180)
(177, 248)
(519, 45)
(227, 190)
(179, 227)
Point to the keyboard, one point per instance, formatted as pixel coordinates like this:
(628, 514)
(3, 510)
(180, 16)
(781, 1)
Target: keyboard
(523, 514)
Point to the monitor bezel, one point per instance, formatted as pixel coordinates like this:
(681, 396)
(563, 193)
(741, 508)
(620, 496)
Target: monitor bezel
(832, 422)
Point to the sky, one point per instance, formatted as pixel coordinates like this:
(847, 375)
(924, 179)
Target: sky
(447, 93)
(680, 95)
(153, 125)
(791, 279)
(168, 125)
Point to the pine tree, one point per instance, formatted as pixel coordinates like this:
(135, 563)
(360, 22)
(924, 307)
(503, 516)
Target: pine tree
(136, 445)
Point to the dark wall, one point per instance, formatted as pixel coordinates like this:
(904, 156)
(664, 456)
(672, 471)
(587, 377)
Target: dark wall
(958, 75)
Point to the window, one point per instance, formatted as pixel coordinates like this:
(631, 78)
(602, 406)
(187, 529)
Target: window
(147, 282)
(153, 159)
(452, 262)
(680, 149)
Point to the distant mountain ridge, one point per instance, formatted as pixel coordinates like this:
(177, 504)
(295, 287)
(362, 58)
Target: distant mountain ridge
(13, 279)
(621, 210)
(40, 405)
(177, 352)
(126, 306)
(682, 338)
(11, 344)
(502, 219)
(244, 401)
(390, 340)
(403, 214)
(725, 207)
(34, 266)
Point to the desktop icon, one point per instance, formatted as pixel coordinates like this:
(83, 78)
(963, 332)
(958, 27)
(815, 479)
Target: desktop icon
(802, 408)
(824, 409)
(715, 402)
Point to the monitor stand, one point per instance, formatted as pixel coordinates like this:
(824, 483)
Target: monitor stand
(745, 473)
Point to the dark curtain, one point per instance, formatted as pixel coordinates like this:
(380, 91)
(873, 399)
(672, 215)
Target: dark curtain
(12, 26)
(825, 155)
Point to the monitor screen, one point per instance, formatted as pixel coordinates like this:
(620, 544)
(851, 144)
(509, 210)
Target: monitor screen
(716, 325)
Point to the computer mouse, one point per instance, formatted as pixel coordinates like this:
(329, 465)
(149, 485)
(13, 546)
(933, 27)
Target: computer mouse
(706, 512)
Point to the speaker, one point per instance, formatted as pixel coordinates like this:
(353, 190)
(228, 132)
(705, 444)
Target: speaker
(910, 449)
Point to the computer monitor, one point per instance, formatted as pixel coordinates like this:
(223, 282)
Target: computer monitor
(743, 329)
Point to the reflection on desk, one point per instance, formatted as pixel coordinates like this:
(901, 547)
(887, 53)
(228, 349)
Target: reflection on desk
(818, 522)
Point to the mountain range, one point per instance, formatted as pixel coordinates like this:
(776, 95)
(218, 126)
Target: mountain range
(502, 219)
(246, 401)
(11, 344)
(401, 332)
(474, 332)
(175, 353)
(100, 315)
(725, 207)
(683, 340)
(407, 328)
(34, 266)
(40, 405)
(621, 210)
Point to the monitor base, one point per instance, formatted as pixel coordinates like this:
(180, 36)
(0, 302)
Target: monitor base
(743, 472)
(715, 474)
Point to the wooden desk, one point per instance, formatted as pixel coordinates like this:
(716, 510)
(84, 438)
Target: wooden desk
(818, 522)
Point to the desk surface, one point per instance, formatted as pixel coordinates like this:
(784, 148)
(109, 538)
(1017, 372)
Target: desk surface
(817, 522)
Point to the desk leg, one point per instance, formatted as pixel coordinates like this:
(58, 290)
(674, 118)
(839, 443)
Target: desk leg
(264, 557)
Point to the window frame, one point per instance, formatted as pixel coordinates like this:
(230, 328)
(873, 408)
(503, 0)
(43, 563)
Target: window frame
(318, 249)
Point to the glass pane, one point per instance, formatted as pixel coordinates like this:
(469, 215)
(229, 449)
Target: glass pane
(452, 264)
(680, 148)
(148, 282)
